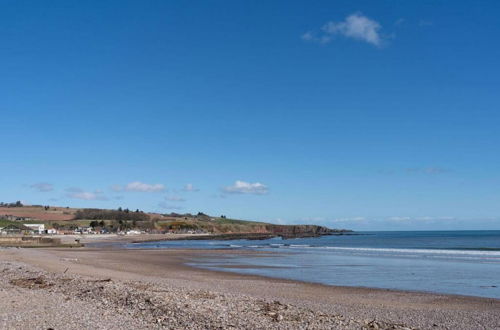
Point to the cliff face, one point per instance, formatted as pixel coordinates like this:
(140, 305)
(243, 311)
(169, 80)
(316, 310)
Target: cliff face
(293, 231)
(266, 231)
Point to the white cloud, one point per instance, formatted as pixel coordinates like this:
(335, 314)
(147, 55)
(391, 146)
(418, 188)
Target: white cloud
(139, 186)
(358, 27)
(42, 187)
(175, 199)
(88, 196)
(242, 187)
(355, 26)
(189, 187)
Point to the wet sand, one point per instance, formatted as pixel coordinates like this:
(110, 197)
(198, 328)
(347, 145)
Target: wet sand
(167, 267)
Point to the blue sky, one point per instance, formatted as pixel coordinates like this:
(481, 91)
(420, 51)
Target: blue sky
(369, 115)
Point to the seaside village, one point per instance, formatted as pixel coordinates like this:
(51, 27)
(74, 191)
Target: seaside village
(29, 220)
(29, 226)
(25, 228)
(40, 229)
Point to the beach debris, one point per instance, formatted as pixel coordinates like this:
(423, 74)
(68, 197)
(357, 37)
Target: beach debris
(31, 283)
(153, 305)
(100, 280)
(70, 259)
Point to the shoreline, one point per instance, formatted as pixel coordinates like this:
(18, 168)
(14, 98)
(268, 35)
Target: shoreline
(113, 241)
(144, 238)
(197, 251)
(168, 267)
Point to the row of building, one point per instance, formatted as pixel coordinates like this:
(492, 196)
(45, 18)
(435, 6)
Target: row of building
(40, 229)
(28, 228)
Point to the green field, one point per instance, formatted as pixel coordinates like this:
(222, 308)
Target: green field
(4, 223)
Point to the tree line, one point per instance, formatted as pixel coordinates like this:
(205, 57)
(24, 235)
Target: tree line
(119, 214)
(16, 204)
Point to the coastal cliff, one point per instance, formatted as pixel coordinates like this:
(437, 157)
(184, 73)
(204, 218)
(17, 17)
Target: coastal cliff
(294, 231)
(270, 231)
(73, 220)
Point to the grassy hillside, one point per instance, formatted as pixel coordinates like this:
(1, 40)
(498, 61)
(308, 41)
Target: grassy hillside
(39, 212)
(124, 219)
(74, 217)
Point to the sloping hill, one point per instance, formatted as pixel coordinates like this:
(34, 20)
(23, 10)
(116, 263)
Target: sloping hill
(39, 213)
(124, 219)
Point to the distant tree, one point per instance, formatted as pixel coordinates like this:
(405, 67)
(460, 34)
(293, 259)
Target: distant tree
(94, 224)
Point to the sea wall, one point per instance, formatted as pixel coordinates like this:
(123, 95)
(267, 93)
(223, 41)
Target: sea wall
(29, 241)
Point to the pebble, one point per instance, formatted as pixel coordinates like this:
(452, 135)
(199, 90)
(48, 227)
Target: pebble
(74, 302)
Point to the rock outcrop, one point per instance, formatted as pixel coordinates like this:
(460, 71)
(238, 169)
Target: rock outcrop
(295, 231)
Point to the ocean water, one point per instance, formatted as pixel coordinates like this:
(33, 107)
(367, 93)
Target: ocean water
(454, 262)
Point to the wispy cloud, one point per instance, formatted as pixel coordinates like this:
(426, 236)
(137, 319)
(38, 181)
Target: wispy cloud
(190, 188)
(88, 196)
(427, 170)
(399, 219)
(79, 193)
(138, 186)
(175, 199)
(242, 187)
(349, 219)
(420, 219)
(167, 206)
(399, 22)
(74, 190)
(42, 187)
(355, 26)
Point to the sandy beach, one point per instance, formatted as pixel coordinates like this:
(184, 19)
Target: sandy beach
(109, 288)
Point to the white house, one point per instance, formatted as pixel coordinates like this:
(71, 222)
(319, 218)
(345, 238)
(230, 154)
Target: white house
(38, 228)
(84, 230)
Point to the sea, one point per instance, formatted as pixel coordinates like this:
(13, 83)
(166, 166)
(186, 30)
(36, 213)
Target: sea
(450, 262)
